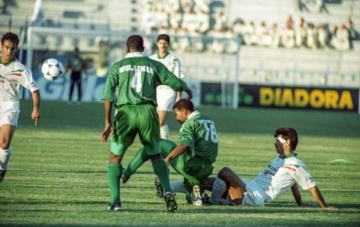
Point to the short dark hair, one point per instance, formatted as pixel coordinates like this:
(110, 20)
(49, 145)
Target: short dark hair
(10, 36)
(135, 42)
(184, 104)
(163, 37)
(288, 134)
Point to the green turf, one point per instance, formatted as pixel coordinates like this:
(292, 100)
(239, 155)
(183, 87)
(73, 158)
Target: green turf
(57, 173)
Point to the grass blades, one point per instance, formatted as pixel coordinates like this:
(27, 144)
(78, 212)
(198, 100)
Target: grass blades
(57, 174)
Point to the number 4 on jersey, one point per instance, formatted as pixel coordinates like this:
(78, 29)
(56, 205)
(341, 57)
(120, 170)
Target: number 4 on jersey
(136, 81)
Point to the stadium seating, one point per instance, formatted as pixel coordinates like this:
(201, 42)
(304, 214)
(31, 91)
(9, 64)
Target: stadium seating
(117, 16)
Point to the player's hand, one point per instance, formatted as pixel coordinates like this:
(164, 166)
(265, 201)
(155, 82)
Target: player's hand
(35, 115)
(167, 161)
(108, 131)
(330, 208)
(189, 92)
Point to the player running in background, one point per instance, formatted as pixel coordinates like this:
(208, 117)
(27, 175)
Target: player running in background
(192, 158)
(136, 77)
(13, 76)
(284, 172)
(165, 96)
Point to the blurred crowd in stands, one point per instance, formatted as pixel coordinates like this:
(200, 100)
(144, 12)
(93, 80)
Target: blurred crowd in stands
(192, 17)
(297, 34)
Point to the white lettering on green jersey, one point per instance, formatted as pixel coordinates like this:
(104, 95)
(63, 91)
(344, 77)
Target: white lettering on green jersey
(139, 68)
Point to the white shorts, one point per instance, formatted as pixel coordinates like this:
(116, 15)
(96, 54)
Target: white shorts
(165, 98)
(9, 113)
(254, 196)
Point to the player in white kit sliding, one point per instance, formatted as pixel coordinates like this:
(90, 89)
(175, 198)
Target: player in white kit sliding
(13, 76)
(284, 172)
(165, 96)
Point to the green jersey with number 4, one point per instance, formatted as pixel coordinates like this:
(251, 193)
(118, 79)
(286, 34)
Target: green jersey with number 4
(137, 77)
(198, 132)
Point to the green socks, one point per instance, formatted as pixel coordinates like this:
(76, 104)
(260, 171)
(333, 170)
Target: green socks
(114, 174)
(161, 170)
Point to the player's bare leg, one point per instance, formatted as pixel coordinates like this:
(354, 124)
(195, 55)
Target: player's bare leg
(164, 130)
(6, 134)
(236, 187)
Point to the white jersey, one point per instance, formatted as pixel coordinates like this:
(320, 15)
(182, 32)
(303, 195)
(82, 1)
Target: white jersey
(172, 63)
(277, 179)
(13, 76)
(264, 178)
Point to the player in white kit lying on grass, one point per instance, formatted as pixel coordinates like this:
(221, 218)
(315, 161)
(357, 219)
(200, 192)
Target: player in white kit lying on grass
(284, 172)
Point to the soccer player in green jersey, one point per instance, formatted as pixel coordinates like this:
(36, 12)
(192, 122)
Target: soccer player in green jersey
(194, 155)
(136, 77)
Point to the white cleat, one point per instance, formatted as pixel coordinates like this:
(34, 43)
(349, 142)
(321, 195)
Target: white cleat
(196, 196)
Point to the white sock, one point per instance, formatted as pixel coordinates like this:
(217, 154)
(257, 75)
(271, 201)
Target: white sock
(177, 186)
(5, 157)
(164, 132)
(218, 190)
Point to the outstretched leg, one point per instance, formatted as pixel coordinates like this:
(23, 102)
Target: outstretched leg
(134, 164)
(166, 146)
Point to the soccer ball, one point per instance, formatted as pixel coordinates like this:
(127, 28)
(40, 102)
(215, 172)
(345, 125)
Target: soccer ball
(52, 69)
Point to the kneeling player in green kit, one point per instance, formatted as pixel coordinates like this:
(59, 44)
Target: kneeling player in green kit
(194, 155)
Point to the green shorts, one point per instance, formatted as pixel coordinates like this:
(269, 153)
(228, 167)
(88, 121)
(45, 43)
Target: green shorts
(199, 169)
(132, 120)
(195, 170)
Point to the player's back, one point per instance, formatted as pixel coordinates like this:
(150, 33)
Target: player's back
(137, 80)
(136, 77)
(205, 138)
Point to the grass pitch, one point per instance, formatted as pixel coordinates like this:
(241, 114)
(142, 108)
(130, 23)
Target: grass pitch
(57, 174)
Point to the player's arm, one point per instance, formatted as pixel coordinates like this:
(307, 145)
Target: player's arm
(168, 78)
(179, 150)
(177, 72)
(187, 142)
(317, 195)
(178, 97)
(108, 97)
(35, 115)
(108, 127)
(297, 196)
